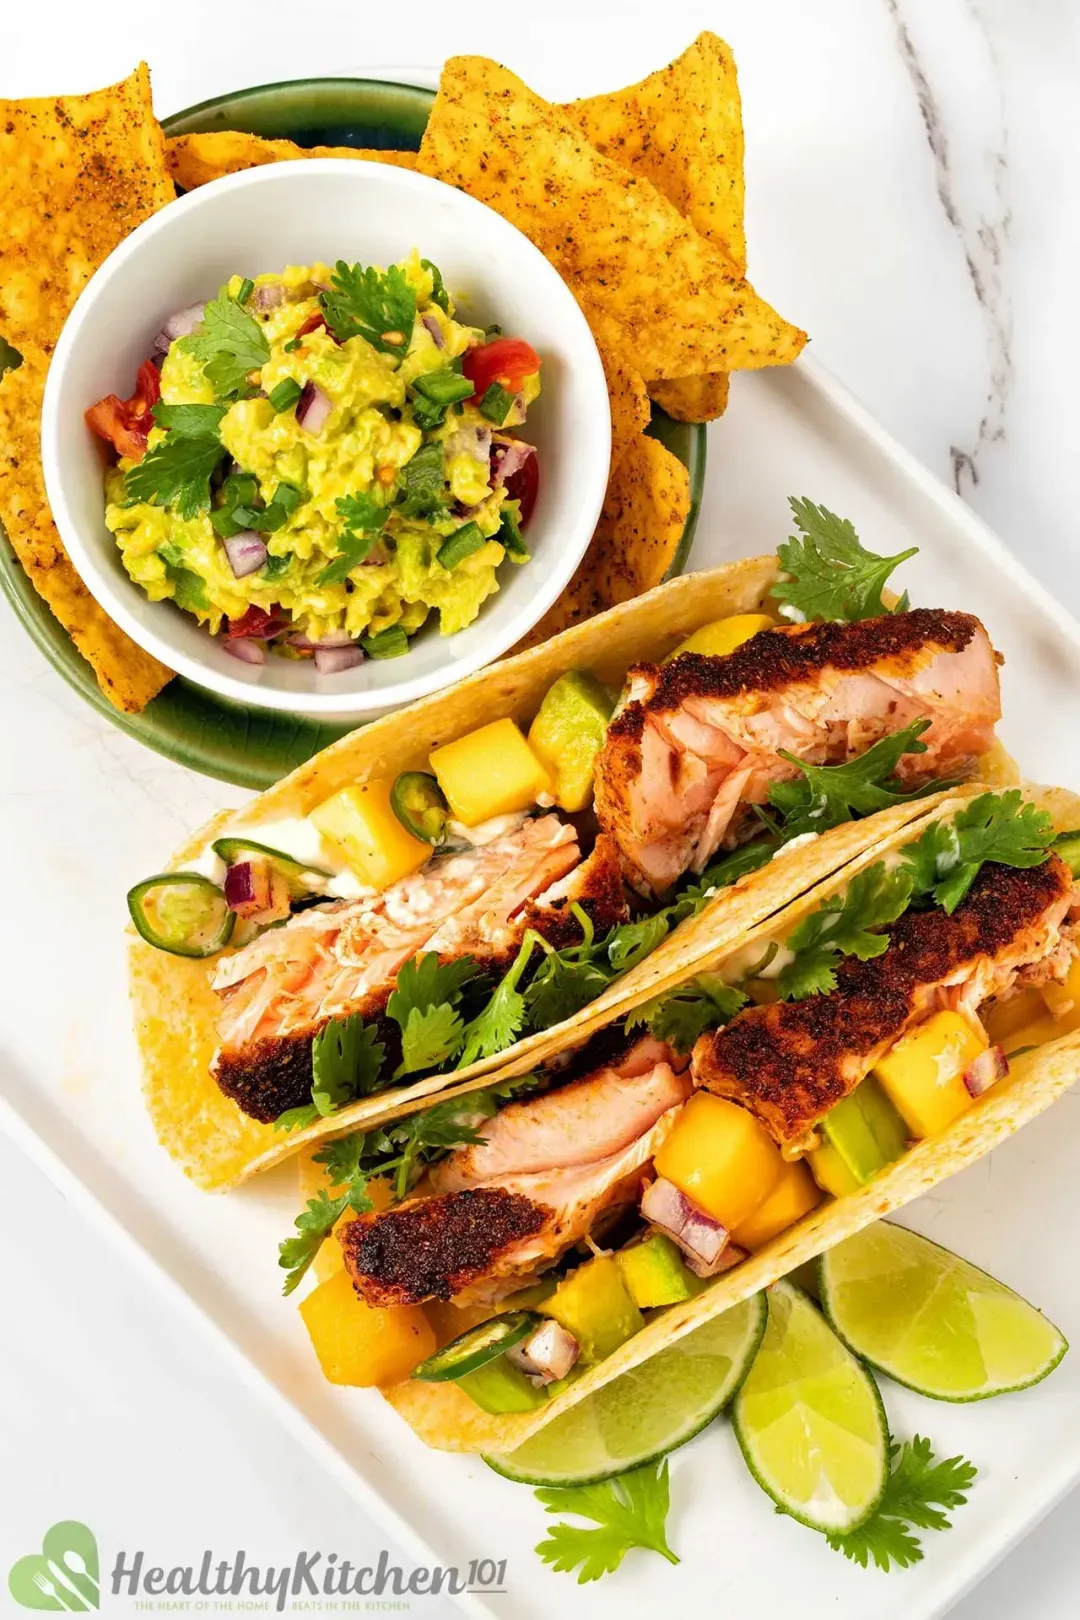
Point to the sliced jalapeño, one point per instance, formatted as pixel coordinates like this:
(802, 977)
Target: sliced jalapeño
(420, 805)
(181, 912)
(477, 1347)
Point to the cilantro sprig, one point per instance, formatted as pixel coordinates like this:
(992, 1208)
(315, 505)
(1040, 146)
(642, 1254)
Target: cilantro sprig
(830, 575)
(425, 1005)
(844, 925)
(945, 861)
(363, 520)
(229, 343)
(826, 796)
(627, 1511)
(680, 1016)
(372, 304)
(919, 1495)
(177, 473)
(347, 1059)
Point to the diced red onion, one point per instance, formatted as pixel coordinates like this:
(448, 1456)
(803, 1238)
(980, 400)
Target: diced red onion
(432, 324)
(182, 324)
(700, 1238)
(314, 408)
(246, 552)
(547, 1354)
(729, 1256)
(470, 441)
(336, 638)
(248, 651)
(989, 1067)
(269, 296)
(509, 458)
(247, 887)
(332, 660)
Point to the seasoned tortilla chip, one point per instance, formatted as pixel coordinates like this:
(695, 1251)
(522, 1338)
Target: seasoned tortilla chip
(692, 399)
(651, 286)
(629, 401)
(644, 515)
(77, 174)
(682, 129)
(128, 676)
(195, 159)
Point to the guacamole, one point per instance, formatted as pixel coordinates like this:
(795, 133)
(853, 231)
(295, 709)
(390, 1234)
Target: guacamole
(324, 462)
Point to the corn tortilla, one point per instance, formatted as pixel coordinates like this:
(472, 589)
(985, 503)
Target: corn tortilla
(649, 283)
(196, 159)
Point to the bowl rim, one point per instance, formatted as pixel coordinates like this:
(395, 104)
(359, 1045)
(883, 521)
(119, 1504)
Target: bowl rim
(351, 704)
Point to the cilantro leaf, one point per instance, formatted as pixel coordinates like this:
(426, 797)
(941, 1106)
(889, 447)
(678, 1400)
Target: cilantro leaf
(189, 421)
(917, 1494)
(629, 1510)
(424, 1005)
(945, 861)
(346, 1059)
(189, 588)
(842, 926)
(176, 473)
(694, 897)
(229, 343)
(681, 1015)
(561, 986)
(830, 575)
(826, 796)
(364, 520)
(429, 1038)
(499, 1025)
(368, 304)
(630, 943)
(424, 490)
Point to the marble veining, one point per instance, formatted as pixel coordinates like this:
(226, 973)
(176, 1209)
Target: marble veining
(973, 193)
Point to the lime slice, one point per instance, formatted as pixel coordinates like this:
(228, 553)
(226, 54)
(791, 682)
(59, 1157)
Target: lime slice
(932, 1321)
(810, 1421)
(647, 1411)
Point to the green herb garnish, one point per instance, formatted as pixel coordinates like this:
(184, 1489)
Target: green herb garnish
(176, 473)
(830, 575)
(826, 796)
(229, 343)
(945, 861)
(844, 926)
(629, 1510)
(917, 1494)
(423, 484)
(681, 1015)
(364, 520)
(372, 305)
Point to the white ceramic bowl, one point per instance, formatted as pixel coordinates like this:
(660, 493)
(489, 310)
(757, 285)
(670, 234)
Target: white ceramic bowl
(298, 213)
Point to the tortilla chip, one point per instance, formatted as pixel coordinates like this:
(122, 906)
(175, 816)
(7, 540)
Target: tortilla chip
(682, 129)
(629, 401)
(644, 516)
(651, 286)
(692, 399)
(196, 159)
(77, 174)
(128, 676)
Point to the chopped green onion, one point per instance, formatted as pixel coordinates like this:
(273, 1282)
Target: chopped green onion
(461, 544)
(388, 643)
(285, 395)
(496, 404)
(247, 287)
(443, 387)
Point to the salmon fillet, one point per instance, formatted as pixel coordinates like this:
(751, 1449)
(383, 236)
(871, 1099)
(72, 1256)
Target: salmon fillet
(697, 740)
(790, 1062)
(552, 1170)
(282, 989)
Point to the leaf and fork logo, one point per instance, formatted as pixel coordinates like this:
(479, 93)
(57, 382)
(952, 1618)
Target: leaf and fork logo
(63, 1575)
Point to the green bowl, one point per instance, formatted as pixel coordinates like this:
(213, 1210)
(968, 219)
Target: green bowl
(248, 746)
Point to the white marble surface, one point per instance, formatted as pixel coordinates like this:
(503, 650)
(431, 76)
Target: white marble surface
(910, 204)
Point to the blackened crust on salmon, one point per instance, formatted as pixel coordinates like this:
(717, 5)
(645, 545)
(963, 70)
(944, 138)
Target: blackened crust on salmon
(269, 1076)
(790, 1062)
(597, 887)
(434, 1247)
(774, 659)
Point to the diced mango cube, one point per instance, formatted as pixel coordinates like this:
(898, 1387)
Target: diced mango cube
(1004, 1018)
(794, 1195)
(489, 772)
(1040, 1025)
(362, 1344)
(923, 1073)
(721, 1158)
(724, 635)
(359, 824)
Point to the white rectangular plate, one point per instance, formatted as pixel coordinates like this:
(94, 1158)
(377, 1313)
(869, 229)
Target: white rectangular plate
(98, 814)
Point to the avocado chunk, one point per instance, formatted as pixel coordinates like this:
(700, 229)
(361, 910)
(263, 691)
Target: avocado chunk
(498, 1386)
(1067, 845)
(594, 1304)
(568, 733)
(654, 1273)
(865, 1133)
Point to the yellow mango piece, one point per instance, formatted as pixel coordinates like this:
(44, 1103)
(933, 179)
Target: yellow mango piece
(721, 1158)
(724, 635)
(830, 1171)
(362, 1344)
(359, 824)
(489, 772)
(794, 1195)
(923, 1073)
(1042, 1026)
(1005, 1018)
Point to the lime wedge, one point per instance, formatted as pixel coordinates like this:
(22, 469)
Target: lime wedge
(932, 1321)
(647, 1411)
(810, 1421)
